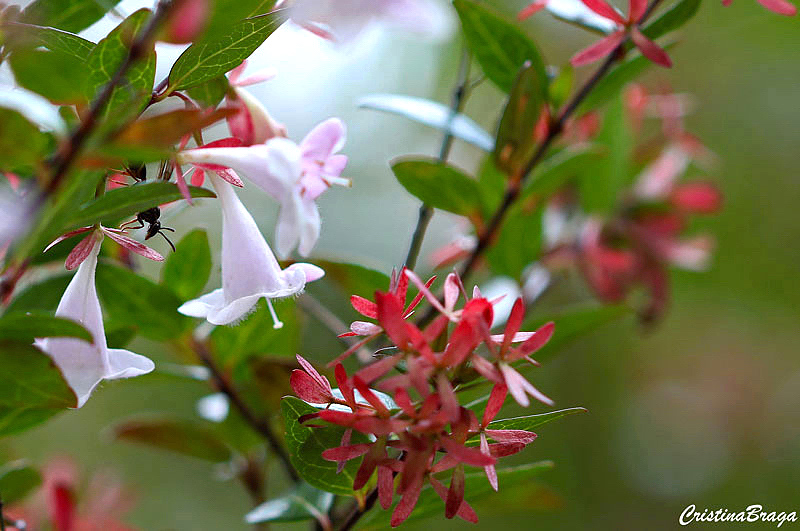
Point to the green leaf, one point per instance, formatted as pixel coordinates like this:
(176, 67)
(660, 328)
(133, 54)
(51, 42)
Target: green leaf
(300, 503)
(51, 38)
(500, 46)
(210, 93)
(68, 15)
(554, 171)
(519, 241)
(515, 134)
(186, 270)
(561, 86)
(255, 336)
(226, 13)
(432, 114)
(41, 297)
(206, 60)
(354, 279)
(32, 388)
(307, 444)
(21, 142)
(601, 189)
(54, 215)
(573, 323)
(58, 76)
(439, 185)
(492, 184)
(26, 327)
(529, 422)
(476, 488)
(674, 18)
(123, 202)
(134, 92)
(180, 436)
(131, 298)
(17, 480)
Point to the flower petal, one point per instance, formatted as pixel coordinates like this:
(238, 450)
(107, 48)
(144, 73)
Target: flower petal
(650, 49)
(598, 50)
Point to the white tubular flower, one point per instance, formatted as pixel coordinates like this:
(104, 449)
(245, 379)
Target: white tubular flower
(249, 269)
(84, 365)
(295, 175)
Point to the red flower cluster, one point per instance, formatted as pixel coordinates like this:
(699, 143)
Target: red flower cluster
(424, 430)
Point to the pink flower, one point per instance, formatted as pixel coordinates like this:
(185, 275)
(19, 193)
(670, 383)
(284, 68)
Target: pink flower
(249, 269)
(84, 365)
(295, 175)
(781, 7)
(343, 20)
(625, 27)
(251, 124)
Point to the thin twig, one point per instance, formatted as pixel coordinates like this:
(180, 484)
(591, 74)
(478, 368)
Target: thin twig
(314, 307)
(356, 512)
(262, 427)
(515, 186)
(64, 159)
(425, 211)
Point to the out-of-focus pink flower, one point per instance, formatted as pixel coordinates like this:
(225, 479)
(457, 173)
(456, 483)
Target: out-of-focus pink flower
(83, 364)
(626, 27)
(781, 7)
(295, 175)
(186, 21)
(343, 20)
(249, 269)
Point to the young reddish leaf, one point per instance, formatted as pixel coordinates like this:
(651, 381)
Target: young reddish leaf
(650, 49)
(598, 50)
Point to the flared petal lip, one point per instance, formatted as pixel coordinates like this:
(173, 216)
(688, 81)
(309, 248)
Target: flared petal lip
(234, 310)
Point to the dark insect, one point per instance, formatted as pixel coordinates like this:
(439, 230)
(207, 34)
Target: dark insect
(150, 217)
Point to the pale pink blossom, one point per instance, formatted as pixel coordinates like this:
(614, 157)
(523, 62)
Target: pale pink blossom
(249, 269)
(84, 364)
(294, 175)
(251, 124)
(343, 20)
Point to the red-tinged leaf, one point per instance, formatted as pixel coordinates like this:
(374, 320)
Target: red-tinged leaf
(69, 234)
(345, 453)
(164, 130)
(407, 504)
(465, 512)
(636, 9)
(447, 397)
(341, 357)
(321, 380)
(424, 291)
(463, 341)
(435, 329)
(180, 180)
(80, 252)
(401, 288)
(469, 456)
(780, 7)
(605, 10)
(134, 246)
(598, 50)
(518, 386)
(650, 49)
(390, 316)
(308, 389)
(535, 342)
(512, 436)
(344, 386)
(531, 9)
(365, 307)
(385, 487)
(370, 397)
(496, 399)
(379, 427)
(342, 418)
(372, 372)
(500, 450)
(403, 399)
(455, 494)
(377, 451)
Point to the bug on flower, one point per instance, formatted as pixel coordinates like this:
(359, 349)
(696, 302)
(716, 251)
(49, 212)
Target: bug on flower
(151, 218)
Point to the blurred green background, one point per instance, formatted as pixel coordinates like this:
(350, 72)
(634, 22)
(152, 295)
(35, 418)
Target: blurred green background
(704, 409)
